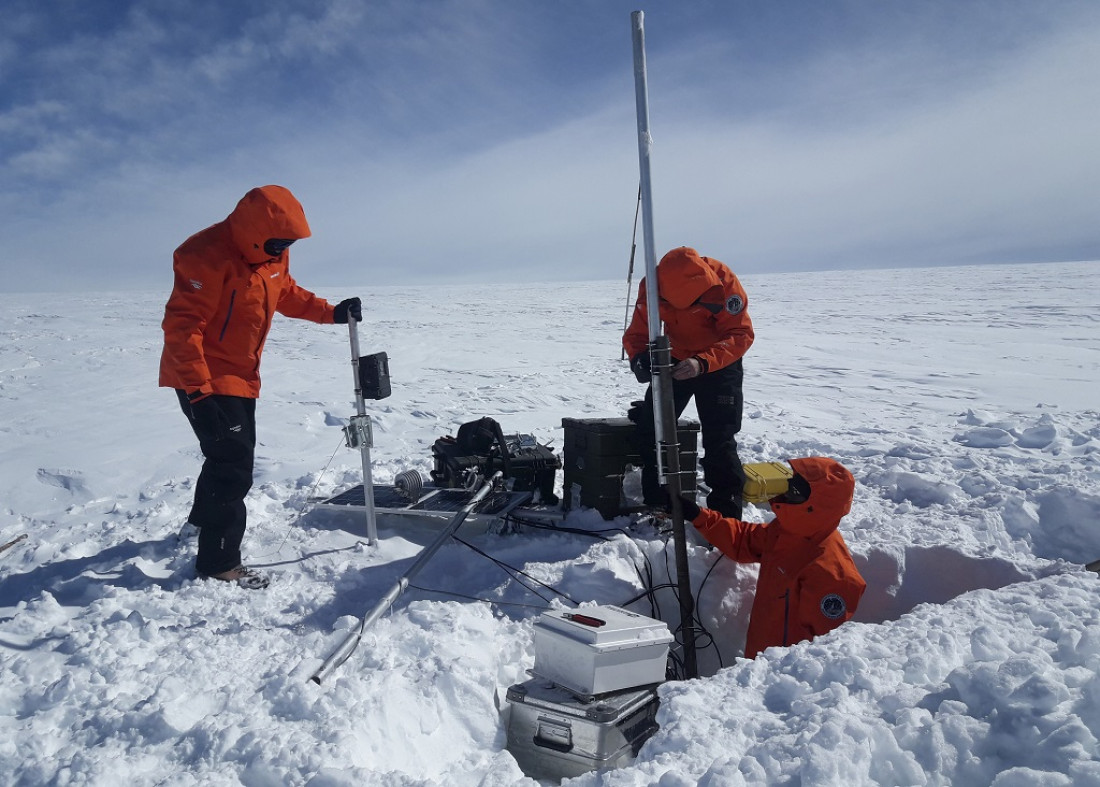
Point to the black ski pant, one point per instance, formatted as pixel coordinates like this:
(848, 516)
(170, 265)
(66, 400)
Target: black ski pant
(720, 401)
(224, 480)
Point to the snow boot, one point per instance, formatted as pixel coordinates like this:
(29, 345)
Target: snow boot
(247, 578)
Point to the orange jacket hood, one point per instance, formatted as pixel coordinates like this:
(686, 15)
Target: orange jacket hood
(717, 338)
(832, 487)
(226, 290)
(682, 277)
(263, 213)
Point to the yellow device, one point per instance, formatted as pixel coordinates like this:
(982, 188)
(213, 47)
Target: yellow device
(765, 480)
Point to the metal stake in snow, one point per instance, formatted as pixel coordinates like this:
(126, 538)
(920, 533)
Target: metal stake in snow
(664, 410)
(12, 543)
(341, 654)
(358, 433)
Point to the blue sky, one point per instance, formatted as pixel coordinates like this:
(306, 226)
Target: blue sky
(482, 140)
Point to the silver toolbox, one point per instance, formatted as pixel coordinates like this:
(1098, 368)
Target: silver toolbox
(554, 735)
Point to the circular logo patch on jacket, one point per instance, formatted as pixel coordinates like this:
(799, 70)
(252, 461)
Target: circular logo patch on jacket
(833, 606)
(735, 304)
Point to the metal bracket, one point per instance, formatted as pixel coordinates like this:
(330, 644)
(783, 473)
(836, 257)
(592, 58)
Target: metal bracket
(359, 432)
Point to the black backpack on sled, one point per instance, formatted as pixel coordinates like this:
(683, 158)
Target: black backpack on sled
(481, 448)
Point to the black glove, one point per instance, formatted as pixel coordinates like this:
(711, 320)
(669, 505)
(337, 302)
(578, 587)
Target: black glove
(689, 507)
(639, 364)
(210, 419)
(349, 306)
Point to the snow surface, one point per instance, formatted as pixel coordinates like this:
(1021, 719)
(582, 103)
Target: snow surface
(963, 400)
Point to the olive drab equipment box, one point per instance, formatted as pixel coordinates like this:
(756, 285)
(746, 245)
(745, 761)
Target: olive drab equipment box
(555, 735)
(596, 457)
(765, 480)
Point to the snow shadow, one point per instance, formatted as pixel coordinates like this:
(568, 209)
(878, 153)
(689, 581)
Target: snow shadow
(418, 530)
(79, 581)
(899, 581)
(516, 572)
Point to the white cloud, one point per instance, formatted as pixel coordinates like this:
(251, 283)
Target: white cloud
(439, 139)
(973, 171)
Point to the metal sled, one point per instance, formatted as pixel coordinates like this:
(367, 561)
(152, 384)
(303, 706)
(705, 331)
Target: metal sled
(433, 503)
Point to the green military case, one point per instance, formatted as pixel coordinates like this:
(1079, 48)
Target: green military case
(597, 454)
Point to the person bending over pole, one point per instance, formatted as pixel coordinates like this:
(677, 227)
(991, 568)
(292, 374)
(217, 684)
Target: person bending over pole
(705, 312)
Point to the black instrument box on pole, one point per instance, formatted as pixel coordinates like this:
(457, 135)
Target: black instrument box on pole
(374, 376)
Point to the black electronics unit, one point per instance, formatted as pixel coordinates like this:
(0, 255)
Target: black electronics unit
(481, 448)
(374, 376)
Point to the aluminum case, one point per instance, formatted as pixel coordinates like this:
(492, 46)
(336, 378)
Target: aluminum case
(554, 735)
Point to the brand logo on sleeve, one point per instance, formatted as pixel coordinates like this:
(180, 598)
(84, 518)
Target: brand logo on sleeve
(833, 606)
(735, 304)
(196, 284)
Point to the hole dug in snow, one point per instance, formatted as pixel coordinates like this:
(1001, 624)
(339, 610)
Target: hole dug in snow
(898, 582)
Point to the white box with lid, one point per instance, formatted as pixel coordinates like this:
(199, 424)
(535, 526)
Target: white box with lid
(594, 650)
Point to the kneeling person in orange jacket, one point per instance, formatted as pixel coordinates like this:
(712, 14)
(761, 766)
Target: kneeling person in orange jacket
(230, 279)
(808, 583)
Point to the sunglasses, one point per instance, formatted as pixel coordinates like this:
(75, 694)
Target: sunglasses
(798, 491)
(273, 247)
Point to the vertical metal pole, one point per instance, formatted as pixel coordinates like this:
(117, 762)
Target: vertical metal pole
(664, 409)
(645, 144)
(362, 429)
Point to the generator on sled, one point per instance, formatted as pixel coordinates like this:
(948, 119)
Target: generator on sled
(480, 448)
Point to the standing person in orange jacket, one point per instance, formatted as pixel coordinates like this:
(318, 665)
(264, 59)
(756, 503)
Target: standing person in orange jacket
(808, 583)
(230, 279)
(705, 312)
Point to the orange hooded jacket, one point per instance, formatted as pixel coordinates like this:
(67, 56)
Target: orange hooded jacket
(808, 583)
(687, 285)
(227, 289)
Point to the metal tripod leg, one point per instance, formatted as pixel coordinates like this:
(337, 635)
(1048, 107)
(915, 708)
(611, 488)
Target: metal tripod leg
(341, 654)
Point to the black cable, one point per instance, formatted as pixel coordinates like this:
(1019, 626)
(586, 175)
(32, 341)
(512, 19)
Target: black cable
(713, 642)
(507, 568)
(647, 593)
(477, 598)
(703, 638)
(513, 517)
(646, 581)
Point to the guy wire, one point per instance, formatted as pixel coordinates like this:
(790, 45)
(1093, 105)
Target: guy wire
(302, 510)
(630, 271)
